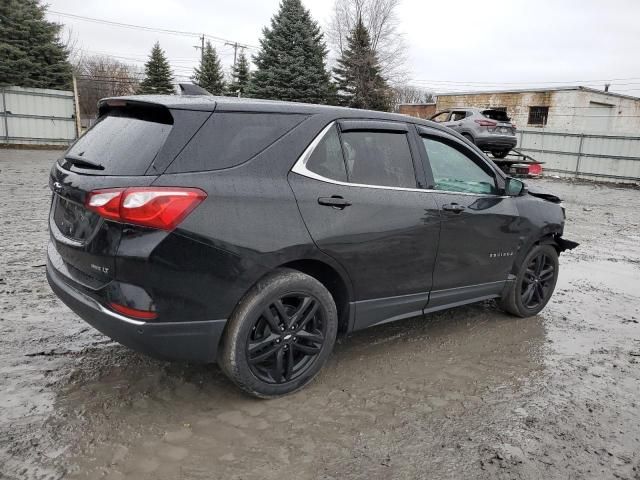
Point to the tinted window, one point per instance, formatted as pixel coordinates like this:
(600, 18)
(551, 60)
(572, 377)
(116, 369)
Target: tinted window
(327, 159)
(496, 114)
(453, 171)
(229, 139)
(379, 158)
(122, 145)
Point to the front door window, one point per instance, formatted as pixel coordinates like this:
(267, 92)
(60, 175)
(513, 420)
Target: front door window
(453, 171)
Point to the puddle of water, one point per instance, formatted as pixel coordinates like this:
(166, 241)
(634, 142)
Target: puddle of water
(619, 276)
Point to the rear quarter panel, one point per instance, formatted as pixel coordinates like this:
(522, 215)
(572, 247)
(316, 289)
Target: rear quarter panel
(248, 225)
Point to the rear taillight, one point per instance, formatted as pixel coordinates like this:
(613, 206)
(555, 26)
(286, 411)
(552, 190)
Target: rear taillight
(535, 169)
(134, 312)
(486, 123)
(157, 207)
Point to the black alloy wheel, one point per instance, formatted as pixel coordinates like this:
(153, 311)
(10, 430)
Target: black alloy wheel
(538, 281)
(286, 338)
(534, 284)
(280, 334)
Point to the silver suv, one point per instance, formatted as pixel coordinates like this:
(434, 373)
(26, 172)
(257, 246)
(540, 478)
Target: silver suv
(491, 130)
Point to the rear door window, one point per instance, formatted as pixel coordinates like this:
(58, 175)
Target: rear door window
(123, 144)
(327, 159)
(229, 139)
(379, 158)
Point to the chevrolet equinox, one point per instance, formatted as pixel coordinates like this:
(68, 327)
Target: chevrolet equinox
(252, 232)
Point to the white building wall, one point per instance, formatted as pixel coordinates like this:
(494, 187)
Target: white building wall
(578, 111)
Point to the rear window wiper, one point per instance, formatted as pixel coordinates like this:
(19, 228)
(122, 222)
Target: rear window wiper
(83, 162)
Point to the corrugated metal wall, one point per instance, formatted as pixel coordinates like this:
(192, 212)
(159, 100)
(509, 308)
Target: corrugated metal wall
(613, 158)
(35, 116)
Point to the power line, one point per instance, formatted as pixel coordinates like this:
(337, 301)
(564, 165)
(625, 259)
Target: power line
(464, 89)
(566, 82)
(148, 29)
(538, 85)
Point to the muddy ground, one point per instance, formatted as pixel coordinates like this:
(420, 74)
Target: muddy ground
(467, 393)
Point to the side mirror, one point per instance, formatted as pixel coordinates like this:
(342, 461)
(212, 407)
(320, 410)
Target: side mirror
(514, 187)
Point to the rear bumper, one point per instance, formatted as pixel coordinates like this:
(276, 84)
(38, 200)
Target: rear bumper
(496, 142)
(191, 341)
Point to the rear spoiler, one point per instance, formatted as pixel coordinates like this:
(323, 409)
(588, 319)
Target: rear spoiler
(192, 89)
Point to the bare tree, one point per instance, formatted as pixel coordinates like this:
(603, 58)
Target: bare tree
(410, 94)
(101, 76)
(381, 21)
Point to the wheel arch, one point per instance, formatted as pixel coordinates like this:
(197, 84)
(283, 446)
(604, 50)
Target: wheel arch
(468, 135)
(545, 239)
(338, 286)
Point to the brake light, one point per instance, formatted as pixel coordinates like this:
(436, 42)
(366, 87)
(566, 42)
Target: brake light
(133, 312)
(486, 123)
(156, 207)
(535, 169)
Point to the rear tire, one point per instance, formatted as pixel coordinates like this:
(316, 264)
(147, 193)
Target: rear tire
(534, 284)
(500, 153)
(280, 334)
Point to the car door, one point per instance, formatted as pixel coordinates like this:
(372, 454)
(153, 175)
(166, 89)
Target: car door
(480, 232)
(358, 190)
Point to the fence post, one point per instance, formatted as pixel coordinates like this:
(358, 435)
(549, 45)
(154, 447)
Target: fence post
(76, 107)
(4, 114)
(579, 155)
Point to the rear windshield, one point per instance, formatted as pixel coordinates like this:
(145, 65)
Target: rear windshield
(229, 139)
(497, 115)
(123, 143)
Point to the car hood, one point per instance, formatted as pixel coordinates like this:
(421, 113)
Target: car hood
(540, 192)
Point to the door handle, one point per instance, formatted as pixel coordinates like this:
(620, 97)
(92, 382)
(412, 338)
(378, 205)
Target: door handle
(453, 207)
(336, 202)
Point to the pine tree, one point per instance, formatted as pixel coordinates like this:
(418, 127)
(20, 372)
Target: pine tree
(291, 62)
(240, 77)
(209, 76)
(31, 53)
(158, 77)
(357, 74)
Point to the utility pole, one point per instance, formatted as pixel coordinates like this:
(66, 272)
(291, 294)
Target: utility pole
(235, 51)
(201, 47)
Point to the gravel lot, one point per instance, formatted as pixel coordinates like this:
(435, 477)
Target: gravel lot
(468, 393)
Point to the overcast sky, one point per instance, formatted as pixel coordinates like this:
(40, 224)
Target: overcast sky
(451, 45)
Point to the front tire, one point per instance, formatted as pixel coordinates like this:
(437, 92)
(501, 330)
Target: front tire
(534, 284)
(280, 334)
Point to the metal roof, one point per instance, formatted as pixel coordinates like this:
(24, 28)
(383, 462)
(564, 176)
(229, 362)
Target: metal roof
(210, 103)
(538, 90)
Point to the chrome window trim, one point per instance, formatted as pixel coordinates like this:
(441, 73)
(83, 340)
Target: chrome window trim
(300, 168)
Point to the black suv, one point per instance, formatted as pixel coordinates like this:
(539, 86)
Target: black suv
(251, 232)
